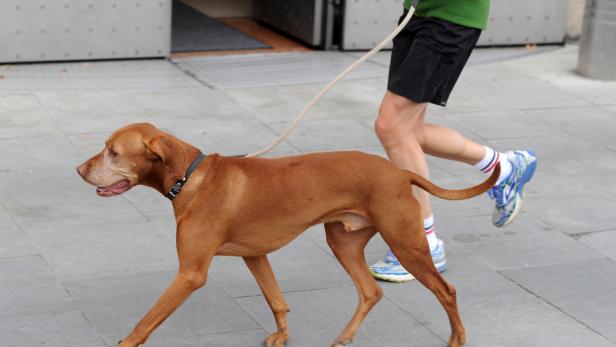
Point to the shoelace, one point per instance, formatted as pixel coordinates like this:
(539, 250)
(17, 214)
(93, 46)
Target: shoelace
(496, 193)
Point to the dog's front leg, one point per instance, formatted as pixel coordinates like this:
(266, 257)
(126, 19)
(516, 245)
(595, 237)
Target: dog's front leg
(195, 253)
(261, 269)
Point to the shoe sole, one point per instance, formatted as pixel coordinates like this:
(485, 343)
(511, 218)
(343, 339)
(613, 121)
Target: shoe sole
(393, 278)
(528, 175)
(440, 267)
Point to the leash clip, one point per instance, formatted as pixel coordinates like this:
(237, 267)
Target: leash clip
(175, 190)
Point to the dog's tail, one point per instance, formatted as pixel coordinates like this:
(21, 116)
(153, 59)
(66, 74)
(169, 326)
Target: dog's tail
(456, 194)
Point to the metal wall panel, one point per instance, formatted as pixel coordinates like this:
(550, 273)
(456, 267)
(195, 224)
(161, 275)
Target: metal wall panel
(514, 22)
(300, 18)
(51, 30)
(511, 22)
(368, 22)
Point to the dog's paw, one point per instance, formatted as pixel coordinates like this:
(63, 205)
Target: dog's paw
(457, 339)
(277, 339)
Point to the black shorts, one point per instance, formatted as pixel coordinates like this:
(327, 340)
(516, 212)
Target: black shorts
(428, 57)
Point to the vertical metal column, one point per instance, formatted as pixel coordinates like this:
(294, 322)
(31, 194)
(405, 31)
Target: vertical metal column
(597, 58)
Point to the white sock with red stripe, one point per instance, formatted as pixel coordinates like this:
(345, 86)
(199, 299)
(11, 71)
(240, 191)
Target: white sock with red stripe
(488, 163)
(430, 232)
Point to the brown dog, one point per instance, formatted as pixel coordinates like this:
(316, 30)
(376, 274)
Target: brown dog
(249, 207)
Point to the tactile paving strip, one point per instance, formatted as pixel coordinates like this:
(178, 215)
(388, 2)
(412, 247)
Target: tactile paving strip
(106, 75)
(275, 69)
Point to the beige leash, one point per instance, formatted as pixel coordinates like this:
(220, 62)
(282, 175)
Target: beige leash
(329, 86)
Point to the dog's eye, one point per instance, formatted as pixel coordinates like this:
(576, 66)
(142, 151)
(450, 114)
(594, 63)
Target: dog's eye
(112, 153)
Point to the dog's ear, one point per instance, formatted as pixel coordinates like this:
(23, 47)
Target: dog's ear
(165, 149)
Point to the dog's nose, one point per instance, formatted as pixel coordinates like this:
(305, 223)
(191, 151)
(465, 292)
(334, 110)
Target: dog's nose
(81, 170)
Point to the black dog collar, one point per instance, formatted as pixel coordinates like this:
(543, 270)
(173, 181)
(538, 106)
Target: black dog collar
(177, 188)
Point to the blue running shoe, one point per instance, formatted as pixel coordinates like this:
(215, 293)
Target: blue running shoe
(389, 269)
(509, 193)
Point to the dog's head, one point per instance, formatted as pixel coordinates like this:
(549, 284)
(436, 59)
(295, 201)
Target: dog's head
(135, 154)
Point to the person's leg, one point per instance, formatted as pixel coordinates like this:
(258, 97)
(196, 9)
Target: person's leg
(447, 143)
(394, 128)
(397, 118)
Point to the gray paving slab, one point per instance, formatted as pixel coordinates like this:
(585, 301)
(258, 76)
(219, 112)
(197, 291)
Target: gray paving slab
(585, 212)
(603, 241)
(318, 316)
(475, 282)
(15, 242)
(248, 338)
(113, 305)
(583, 290)
(164, 222)
(580, 122)
(29, 287)
(153, 74)
(37, 153)
(505, 88)
(299, 266)
(348, 99)
(233, 137)
(520, 245)
(608, 330)
(149, 202)
(258, 70)
(106, 249)
(61, 329)
(504, 124)
(23, 116)
(531, 322)
(330, 134)
(104, 112)
(59, 198)
(558, 68)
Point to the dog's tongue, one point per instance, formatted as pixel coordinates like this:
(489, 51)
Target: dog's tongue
(117, 188)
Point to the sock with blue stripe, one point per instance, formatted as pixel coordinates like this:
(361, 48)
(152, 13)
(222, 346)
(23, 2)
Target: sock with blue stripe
(488, 163)
(430, 232)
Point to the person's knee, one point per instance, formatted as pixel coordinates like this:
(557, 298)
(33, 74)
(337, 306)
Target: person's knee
(397, 117)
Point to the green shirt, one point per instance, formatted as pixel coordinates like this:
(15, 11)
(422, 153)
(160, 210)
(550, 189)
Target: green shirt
(470, 13)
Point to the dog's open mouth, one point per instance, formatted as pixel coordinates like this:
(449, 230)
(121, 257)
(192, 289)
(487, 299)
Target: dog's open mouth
(114, 189)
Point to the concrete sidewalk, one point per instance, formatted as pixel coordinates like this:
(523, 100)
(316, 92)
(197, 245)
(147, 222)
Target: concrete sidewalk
(79, 270)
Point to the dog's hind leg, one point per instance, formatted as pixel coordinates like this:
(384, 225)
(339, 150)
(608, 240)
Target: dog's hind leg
(348, 247)
(262, 271)
(402, 230)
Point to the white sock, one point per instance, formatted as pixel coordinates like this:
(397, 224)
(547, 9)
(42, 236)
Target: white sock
(488, 163)
(430, 232)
